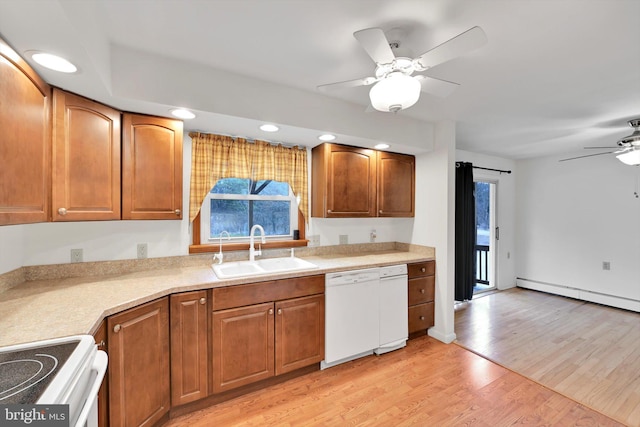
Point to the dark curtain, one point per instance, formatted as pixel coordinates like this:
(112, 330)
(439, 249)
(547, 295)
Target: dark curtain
(465, 232)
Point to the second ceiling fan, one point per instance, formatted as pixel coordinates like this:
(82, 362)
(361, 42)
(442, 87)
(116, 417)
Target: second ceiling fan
(396, 87)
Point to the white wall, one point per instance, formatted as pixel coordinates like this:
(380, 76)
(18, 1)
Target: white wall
(505, 207)
(572, 216)
(434, 222)
(11, 247)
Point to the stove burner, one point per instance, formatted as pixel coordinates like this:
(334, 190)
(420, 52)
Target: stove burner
(25, 374)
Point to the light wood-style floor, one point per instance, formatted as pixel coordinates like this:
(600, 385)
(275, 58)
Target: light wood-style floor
(586, 351)
(428, 383)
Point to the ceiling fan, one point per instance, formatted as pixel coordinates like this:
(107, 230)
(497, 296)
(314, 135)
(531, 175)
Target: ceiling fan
(396, 87)
(628, 150)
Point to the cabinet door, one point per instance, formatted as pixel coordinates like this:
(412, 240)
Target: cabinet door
(345, 182)
(25, 141)
(299, 333)
(243, 346)
(396, 185)
(86, 159)
(189, 349)
(151, 168)
(139, 365)
(100, 338)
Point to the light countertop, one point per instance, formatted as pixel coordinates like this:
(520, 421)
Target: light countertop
(50, 308)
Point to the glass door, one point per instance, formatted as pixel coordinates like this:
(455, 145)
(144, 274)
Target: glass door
(485, 236)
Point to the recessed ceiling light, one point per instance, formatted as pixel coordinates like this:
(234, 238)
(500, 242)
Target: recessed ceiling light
(269, 128)
(181, 113)
(381, 146)
(327, 137)
(54, 62)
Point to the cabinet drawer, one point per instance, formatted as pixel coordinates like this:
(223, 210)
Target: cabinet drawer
(421, 289)
(427, 268)
(257, 293)
(420, 317)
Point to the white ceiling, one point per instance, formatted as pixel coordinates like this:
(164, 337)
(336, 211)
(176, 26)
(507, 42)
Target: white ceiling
(555, 75)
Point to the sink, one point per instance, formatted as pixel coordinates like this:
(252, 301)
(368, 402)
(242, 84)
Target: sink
(231, 270)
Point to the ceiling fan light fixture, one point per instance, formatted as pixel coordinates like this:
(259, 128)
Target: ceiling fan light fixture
(631, 158)
(395, 92)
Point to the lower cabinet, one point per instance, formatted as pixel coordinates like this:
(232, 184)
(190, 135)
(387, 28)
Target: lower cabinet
(189, 347)
(139, 364)
(254, 339)
(421, 297)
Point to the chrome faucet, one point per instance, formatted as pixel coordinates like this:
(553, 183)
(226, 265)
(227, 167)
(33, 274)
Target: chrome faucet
(252, 249)
(219, 256)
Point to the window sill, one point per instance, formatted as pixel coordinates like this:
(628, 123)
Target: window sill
(226, 247)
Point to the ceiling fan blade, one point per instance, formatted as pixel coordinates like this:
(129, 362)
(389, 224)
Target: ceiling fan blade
(588, 155)
(457, 46)
(366, 81)
(437, 87)
(375, 44)
(600, 148)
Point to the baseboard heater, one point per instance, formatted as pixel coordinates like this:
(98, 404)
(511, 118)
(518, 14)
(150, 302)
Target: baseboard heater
(581, 294)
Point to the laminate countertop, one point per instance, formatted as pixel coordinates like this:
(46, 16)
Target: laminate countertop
(51, 308)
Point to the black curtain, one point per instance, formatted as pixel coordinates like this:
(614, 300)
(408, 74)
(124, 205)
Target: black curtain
(465, 232)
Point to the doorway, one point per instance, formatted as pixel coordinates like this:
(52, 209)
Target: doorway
(486, 236)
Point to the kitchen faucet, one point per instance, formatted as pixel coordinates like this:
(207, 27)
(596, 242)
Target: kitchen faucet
(218, 256)
(252, 250)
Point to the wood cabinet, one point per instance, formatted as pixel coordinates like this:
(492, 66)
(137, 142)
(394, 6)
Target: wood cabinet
(299, 333)
(151, 167)
(189, 346)
(139, 365)
(343, 182)
(25, 141)
(86, 159)
(266, 329)
(421, 297)
(100, 337)
(349, 182)
(396, 184)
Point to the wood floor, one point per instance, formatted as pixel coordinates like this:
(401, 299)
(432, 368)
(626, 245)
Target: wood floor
(585, 351)
(428, 383)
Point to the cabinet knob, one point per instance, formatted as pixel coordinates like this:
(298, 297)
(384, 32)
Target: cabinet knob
(423, 269)
(203, 300)
(117, 328)
(102, 344)
(328, 210)
(421, 317)
(62, 211)
(178, 211)
(380, 211)
(271, 311)
(279, 311)
(422, 291)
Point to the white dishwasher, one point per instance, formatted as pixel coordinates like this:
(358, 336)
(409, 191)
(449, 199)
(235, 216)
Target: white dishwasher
(352, 304)
(394, 308)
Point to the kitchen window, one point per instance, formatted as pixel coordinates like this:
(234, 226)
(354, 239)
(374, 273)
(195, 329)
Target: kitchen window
(235, 205)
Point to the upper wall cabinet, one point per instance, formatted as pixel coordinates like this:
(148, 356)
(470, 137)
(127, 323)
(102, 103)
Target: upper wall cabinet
(396, 184)
(343, 182)
(86, 159)
(151, 167)
(350, 182)
(25, 141)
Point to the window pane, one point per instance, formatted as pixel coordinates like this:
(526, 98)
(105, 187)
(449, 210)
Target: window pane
(231, 186)
(273, 216)
(231, 216)
(274, 188)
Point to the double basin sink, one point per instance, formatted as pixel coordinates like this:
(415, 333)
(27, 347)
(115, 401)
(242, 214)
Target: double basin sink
(230, 270)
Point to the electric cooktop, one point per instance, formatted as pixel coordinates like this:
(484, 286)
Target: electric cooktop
(26, 373)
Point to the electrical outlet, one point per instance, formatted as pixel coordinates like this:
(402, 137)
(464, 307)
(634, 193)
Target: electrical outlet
(314, 240)
(76, 255)
(142, 250)
(372, 236)
(606, 265)
(344, 239)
